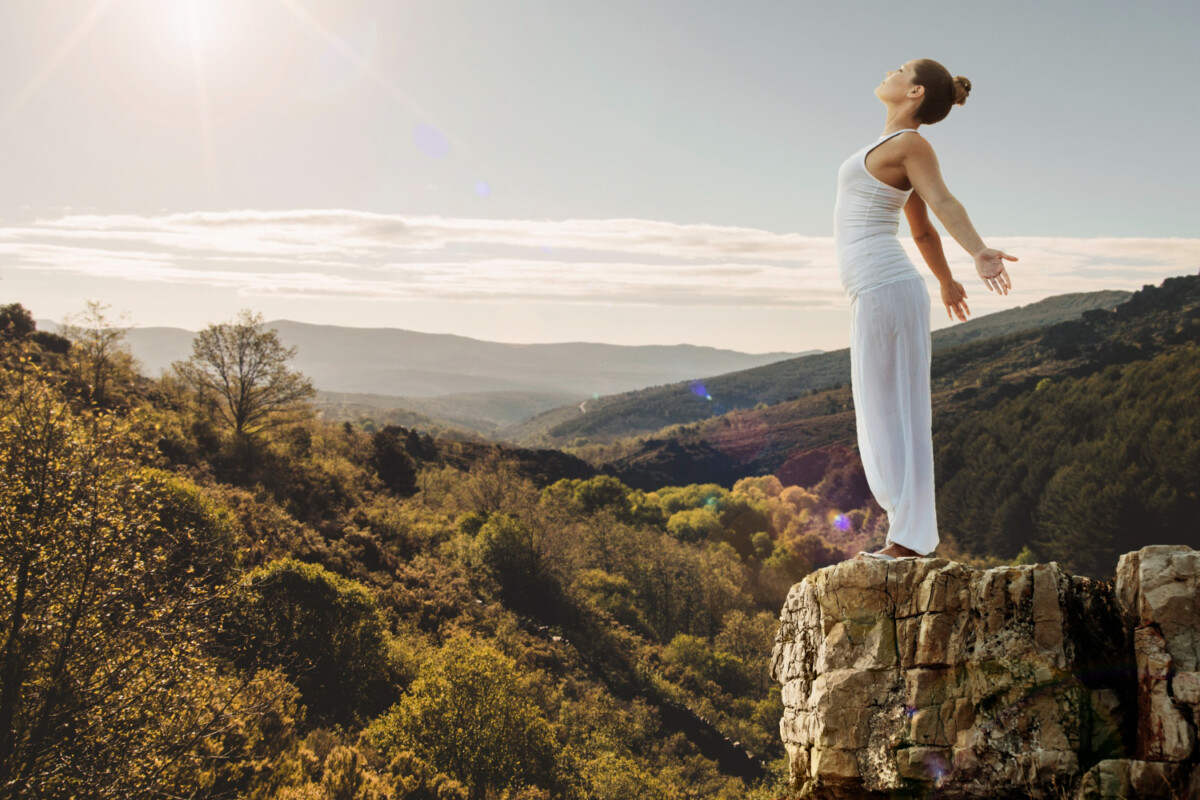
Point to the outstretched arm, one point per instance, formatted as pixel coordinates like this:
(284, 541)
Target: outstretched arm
(929, 242)
(921, 166)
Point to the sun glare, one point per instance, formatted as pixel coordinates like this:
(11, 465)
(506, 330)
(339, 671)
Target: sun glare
(199, 20)
(197, 24)
(188, 63)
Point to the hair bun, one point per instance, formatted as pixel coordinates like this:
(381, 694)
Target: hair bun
(962, 88)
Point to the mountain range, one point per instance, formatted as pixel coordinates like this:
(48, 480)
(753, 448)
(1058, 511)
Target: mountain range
(553, 395)
(403, 363)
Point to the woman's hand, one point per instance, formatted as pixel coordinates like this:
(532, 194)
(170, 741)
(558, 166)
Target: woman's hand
(989, 264)
(955, 298)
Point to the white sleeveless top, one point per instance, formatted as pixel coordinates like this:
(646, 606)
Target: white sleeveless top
(866, 220)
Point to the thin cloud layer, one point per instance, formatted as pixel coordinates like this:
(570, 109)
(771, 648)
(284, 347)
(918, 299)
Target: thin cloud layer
(380, 257)
(309, 232)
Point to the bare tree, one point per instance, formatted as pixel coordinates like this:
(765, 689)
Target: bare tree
(98, 350)
(244, 370)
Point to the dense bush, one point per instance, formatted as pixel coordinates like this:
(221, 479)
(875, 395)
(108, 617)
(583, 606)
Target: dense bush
(473, 715)
(324, 631)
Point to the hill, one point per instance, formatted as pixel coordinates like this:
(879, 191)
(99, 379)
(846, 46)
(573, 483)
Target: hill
(453, 415)
(1095, 419)
(315, 606)
(318, 607)
(409, 364)
(606, 419)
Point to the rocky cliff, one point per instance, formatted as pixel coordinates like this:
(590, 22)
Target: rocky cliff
(930, 678)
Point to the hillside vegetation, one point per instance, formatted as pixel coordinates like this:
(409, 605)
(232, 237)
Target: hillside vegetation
(1079, 470)
(473, 415)
(609, 418)
(966, 378)
(1029, 430)
(306, 609)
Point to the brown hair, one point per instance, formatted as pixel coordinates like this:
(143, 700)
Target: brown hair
(941, 90)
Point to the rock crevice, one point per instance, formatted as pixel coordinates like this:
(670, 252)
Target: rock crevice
(929, 676)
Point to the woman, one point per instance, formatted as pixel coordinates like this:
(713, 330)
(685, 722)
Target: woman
(889, 304)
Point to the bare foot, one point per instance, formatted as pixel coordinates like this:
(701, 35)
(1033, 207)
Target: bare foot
(893, 550)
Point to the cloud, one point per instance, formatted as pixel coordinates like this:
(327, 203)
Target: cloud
(381, 257)
(287, 233)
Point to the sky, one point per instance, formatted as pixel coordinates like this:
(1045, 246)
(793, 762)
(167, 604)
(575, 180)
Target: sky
(544, 171)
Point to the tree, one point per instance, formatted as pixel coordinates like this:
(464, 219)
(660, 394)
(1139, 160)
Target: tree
(392, 462)
(112, 580)
(694, 525)
(18, 330)
(513, 553)
(244, 371)
(748, 638)
(98, 352)
(16, 322)
(472, 715)
(323, 630)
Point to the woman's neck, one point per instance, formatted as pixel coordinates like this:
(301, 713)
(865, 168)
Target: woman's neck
(898, 120)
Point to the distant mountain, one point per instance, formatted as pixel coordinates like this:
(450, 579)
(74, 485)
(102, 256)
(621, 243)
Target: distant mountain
(643, 411)
(1022, 318)
(395, 362)
(969, 379)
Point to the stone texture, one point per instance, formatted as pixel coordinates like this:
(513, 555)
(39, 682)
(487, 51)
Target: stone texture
(922, 676)
(1118, 779)
(1158, 593)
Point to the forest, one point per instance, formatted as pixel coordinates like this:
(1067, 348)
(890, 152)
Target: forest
(211, 591)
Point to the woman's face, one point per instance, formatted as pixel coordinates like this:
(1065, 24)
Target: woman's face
(897, 85)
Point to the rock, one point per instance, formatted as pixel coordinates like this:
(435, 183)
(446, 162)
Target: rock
(1163, 731)
(1158, 591)
(914, 676)
(1117, 779)
(1160, 586)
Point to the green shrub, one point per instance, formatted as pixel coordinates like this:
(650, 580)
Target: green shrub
(323, 630)
(695, 525)
(472, 715)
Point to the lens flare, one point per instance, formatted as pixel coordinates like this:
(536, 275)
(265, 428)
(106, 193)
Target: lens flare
(937, 766)
(482, 189)
(346, 64)
(431, 141)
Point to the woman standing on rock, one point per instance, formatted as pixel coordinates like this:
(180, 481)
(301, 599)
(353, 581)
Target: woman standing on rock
(889, 304)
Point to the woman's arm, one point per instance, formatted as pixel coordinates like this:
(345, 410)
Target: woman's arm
(921, 167)
(954, 296)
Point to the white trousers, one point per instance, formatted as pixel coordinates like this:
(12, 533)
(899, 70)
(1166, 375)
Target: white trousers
(889, 377)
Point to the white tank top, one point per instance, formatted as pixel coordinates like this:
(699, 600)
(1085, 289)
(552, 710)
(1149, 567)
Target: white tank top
(866, 219)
